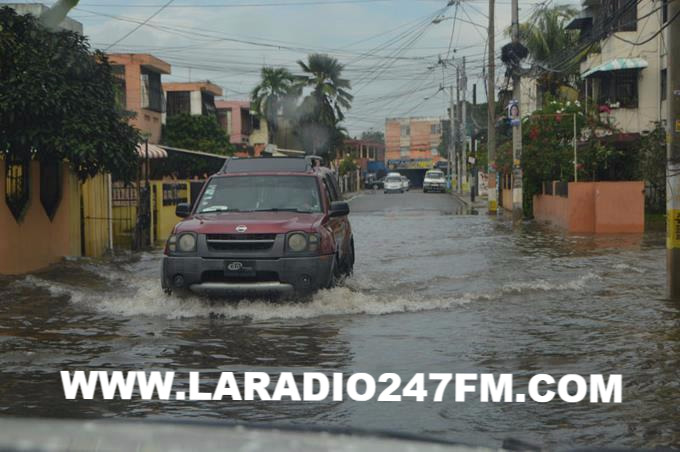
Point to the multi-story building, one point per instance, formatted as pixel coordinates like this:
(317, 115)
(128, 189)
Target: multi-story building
(192, 98)
(363, 152)
(140, 90)
(413, 138)
(246, 131)
(625, 76)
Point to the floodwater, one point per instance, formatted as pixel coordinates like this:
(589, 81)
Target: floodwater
(434, 290)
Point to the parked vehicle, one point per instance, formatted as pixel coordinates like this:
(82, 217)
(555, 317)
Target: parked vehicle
(394, 184)
(406, 183)
(376, 184)
(434, 181)
(273, 225)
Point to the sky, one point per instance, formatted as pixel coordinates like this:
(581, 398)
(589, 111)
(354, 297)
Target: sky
(391, 49)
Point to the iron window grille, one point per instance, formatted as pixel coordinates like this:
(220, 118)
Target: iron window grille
(17, 187)
(50, 186)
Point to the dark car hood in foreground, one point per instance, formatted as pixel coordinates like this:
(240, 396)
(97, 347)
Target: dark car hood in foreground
(255, 222)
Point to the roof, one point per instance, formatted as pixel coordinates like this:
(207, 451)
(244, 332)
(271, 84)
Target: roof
(267, 164)
(205, 85)
(224, 103)
(617, 64)
(154, 151)
(579, 23)
(143, 59)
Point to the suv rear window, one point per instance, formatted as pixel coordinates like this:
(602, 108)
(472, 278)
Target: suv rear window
(261, 194)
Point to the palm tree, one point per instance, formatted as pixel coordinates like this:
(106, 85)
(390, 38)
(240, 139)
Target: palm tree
(322, 110)
(270, 95)
(330, 92)
(548, 42)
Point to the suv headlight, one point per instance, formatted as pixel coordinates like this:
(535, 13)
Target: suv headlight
(186, 242)
(298, 242)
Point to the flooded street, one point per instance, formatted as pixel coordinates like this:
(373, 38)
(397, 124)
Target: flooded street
(436, 289)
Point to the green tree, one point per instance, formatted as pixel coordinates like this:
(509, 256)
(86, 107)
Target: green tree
(58, 102)
(275, 90)
(373, 135)
(547, 40)
(321, 110)
(196, 132)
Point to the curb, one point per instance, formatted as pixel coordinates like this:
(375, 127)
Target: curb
(350, 196)
(466, 200)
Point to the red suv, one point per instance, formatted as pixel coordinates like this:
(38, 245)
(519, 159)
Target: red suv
(261, 226)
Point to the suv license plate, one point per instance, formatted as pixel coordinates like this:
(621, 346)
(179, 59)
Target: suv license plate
(240, 268)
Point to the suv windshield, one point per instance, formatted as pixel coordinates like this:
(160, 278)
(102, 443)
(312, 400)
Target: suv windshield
(434, 175)
(393, 179)
(261, 193)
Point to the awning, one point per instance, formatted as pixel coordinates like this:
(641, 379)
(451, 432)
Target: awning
(155, 152)
(617, 64)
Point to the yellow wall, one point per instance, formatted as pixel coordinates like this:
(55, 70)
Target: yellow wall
(166, 214)
(95, 215)
(36, 242)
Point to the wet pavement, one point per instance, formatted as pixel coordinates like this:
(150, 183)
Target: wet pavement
(436, 289)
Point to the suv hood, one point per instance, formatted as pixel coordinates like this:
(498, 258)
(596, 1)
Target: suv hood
(256, 222)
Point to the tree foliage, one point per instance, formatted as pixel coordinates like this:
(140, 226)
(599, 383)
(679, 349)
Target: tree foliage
(373, 135)
(268, 98)
(196, 132)
(547, 40)
(57, 100)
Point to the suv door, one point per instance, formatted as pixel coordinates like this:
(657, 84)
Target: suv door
(338, 225)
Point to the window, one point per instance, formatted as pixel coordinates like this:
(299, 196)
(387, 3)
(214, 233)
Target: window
(207, 103)
(619, 89)
(664, 84)
(664, 11)
(405, 131)
(625, 12)
(435, 129)
(118, 72)
(50, 186)
(403, 151)
(179, 102)
(152, 91)
(16, 186)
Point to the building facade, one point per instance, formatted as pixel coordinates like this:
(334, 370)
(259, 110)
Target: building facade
(141, 90)
(245, 129)
(191, 98)
(413, 138)
(625, 77)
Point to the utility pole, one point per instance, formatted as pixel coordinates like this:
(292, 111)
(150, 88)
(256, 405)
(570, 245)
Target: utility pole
(517, 207)
(459, 167)
(473, 149)
(673, 154)
(463, 129)
(491, 114)
(452, 146)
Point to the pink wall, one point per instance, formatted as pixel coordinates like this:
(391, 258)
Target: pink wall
(235, 135)
(595, 207)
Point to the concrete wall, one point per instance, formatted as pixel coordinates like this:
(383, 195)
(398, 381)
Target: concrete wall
(595, 208)
(36, 242)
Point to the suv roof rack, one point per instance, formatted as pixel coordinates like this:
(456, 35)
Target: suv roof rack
(265, 164)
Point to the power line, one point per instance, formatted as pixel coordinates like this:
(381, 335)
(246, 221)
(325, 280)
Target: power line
(142, 24)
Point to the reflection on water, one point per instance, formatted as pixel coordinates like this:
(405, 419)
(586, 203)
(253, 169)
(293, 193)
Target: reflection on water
(432, 292)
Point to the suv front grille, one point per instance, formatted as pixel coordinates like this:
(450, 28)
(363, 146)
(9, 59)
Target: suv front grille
(240, 242)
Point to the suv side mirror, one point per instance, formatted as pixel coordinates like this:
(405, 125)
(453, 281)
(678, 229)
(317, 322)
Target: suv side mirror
(338, 209)
(183, 210)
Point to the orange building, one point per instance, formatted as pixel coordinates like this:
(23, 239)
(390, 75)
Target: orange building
(141, 91)
(192, 98)
(413, 138)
